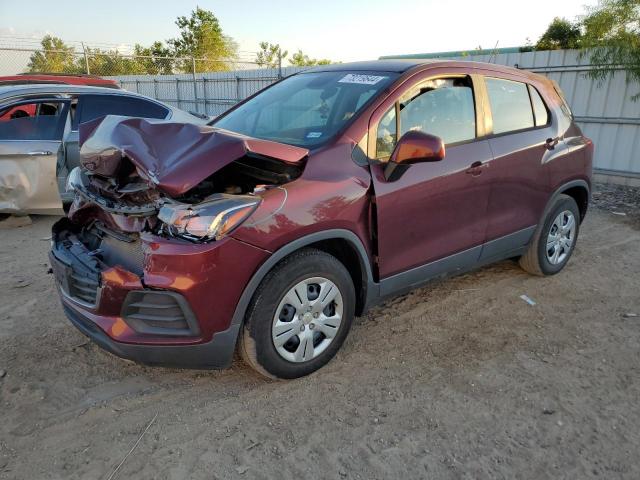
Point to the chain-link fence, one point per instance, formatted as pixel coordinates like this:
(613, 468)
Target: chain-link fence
(194, 84)
(211, 92)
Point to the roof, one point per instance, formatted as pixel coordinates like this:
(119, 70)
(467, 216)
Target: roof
(7, 91)
(454, 53)
(71, 75)
(80, 79)
(395, 65)
(404, 65)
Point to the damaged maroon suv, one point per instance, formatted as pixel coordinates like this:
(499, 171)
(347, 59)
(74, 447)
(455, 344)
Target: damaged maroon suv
(301, 207)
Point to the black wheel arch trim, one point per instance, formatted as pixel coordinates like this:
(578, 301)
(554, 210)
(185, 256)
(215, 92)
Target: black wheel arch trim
(334, 234)
(562, 188)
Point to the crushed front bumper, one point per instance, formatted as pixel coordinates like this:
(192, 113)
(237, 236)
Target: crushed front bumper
(172, 305)
(217, 353)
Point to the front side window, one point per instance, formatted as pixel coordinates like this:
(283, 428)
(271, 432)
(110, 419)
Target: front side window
(306, 109)
(387, 136)
(33, 121)
(510, 105)
(443, 107)
(91, 107)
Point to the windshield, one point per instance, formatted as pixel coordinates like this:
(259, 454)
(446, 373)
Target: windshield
(307, 109)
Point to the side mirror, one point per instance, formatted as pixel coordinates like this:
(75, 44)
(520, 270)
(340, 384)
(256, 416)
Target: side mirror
(413, 147)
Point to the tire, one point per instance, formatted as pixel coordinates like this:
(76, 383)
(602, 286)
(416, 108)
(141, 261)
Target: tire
(286, 335)
(539, 258)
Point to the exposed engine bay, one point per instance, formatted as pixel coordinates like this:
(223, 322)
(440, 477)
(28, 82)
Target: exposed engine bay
(181, 180)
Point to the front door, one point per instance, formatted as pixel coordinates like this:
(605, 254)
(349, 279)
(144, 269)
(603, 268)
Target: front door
(433, 218)
(30, 151)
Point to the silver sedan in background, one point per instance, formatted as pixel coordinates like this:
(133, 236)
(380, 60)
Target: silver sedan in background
(39, 137)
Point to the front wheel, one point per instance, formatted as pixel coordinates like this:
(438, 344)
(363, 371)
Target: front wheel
(300, 315)
(554, 240)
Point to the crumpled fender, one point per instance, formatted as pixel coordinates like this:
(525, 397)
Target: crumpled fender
(173, 157)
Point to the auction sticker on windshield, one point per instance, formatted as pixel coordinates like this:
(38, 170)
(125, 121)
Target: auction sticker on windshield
(361, 79)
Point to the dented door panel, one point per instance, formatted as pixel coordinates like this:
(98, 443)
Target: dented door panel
(28, 183)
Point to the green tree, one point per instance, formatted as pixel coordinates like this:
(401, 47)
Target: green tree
(270, 55)
(299, 59)
(201, 36)
(612, 39)
(109, 62)
(154, 60)
(55, 57)
(560, 34)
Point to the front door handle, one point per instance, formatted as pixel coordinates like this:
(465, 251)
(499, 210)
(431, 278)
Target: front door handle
(475, 168)
(40, 153)
(550, 143)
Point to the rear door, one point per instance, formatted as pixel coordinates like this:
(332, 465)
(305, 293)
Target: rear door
(520, 124)
(435, 210)
(30, 150)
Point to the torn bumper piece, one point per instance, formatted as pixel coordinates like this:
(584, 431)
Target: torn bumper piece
(169, 313)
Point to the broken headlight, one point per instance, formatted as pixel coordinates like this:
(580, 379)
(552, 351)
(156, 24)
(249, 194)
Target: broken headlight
(74, 179)
(211, 219)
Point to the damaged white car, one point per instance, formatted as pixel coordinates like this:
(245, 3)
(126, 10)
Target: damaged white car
(39, 138)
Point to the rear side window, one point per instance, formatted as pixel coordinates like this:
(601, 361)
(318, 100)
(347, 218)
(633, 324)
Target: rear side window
(91, 107)
(510, 105)
(539, 109)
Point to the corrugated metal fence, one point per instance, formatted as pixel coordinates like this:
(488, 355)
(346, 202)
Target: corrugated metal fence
(605, 113)
(210, 93)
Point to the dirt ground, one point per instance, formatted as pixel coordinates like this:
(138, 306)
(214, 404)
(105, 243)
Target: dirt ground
(460, 379)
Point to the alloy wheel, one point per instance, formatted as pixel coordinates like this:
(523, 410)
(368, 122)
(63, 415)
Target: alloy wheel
(561, 237)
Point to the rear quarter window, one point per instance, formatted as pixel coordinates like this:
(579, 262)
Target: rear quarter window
(564, 105)
(540, 111)
(91, 107)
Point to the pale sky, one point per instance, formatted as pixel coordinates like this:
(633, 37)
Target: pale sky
(341, 30)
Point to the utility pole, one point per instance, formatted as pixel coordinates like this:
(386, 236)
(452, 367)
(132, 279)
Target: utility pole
(86, 58)
(195, 84)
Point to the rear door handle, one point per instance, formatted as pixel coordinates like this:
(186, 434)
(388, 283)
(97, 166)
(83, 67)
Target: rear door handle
(40, 153)
(475, 168)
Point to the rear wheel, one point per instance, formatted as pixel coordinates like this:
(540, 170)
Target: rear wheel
(300, 315)
(555, 240)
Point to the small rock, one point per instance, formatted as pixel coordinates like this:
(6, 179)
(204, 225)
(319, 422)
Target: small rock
(21, 283)
(342, 473)
(242, 469)
(3, 373)
(629, 315)
(548, 411)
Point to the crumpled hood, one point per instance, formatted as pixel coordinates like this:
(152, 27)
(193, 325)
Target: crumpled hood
(174, 157)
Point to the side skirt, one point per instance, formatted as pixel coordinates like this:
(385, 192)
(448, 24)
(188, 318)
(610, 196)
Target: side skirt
(511, 245)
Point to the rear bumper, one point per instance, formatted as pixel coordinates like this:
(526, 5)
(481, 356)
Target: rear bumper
(218, 353)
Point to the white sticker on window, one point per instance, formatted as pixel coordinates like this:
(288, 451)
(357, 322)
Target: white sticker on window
(314, 134)
(361, 79)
